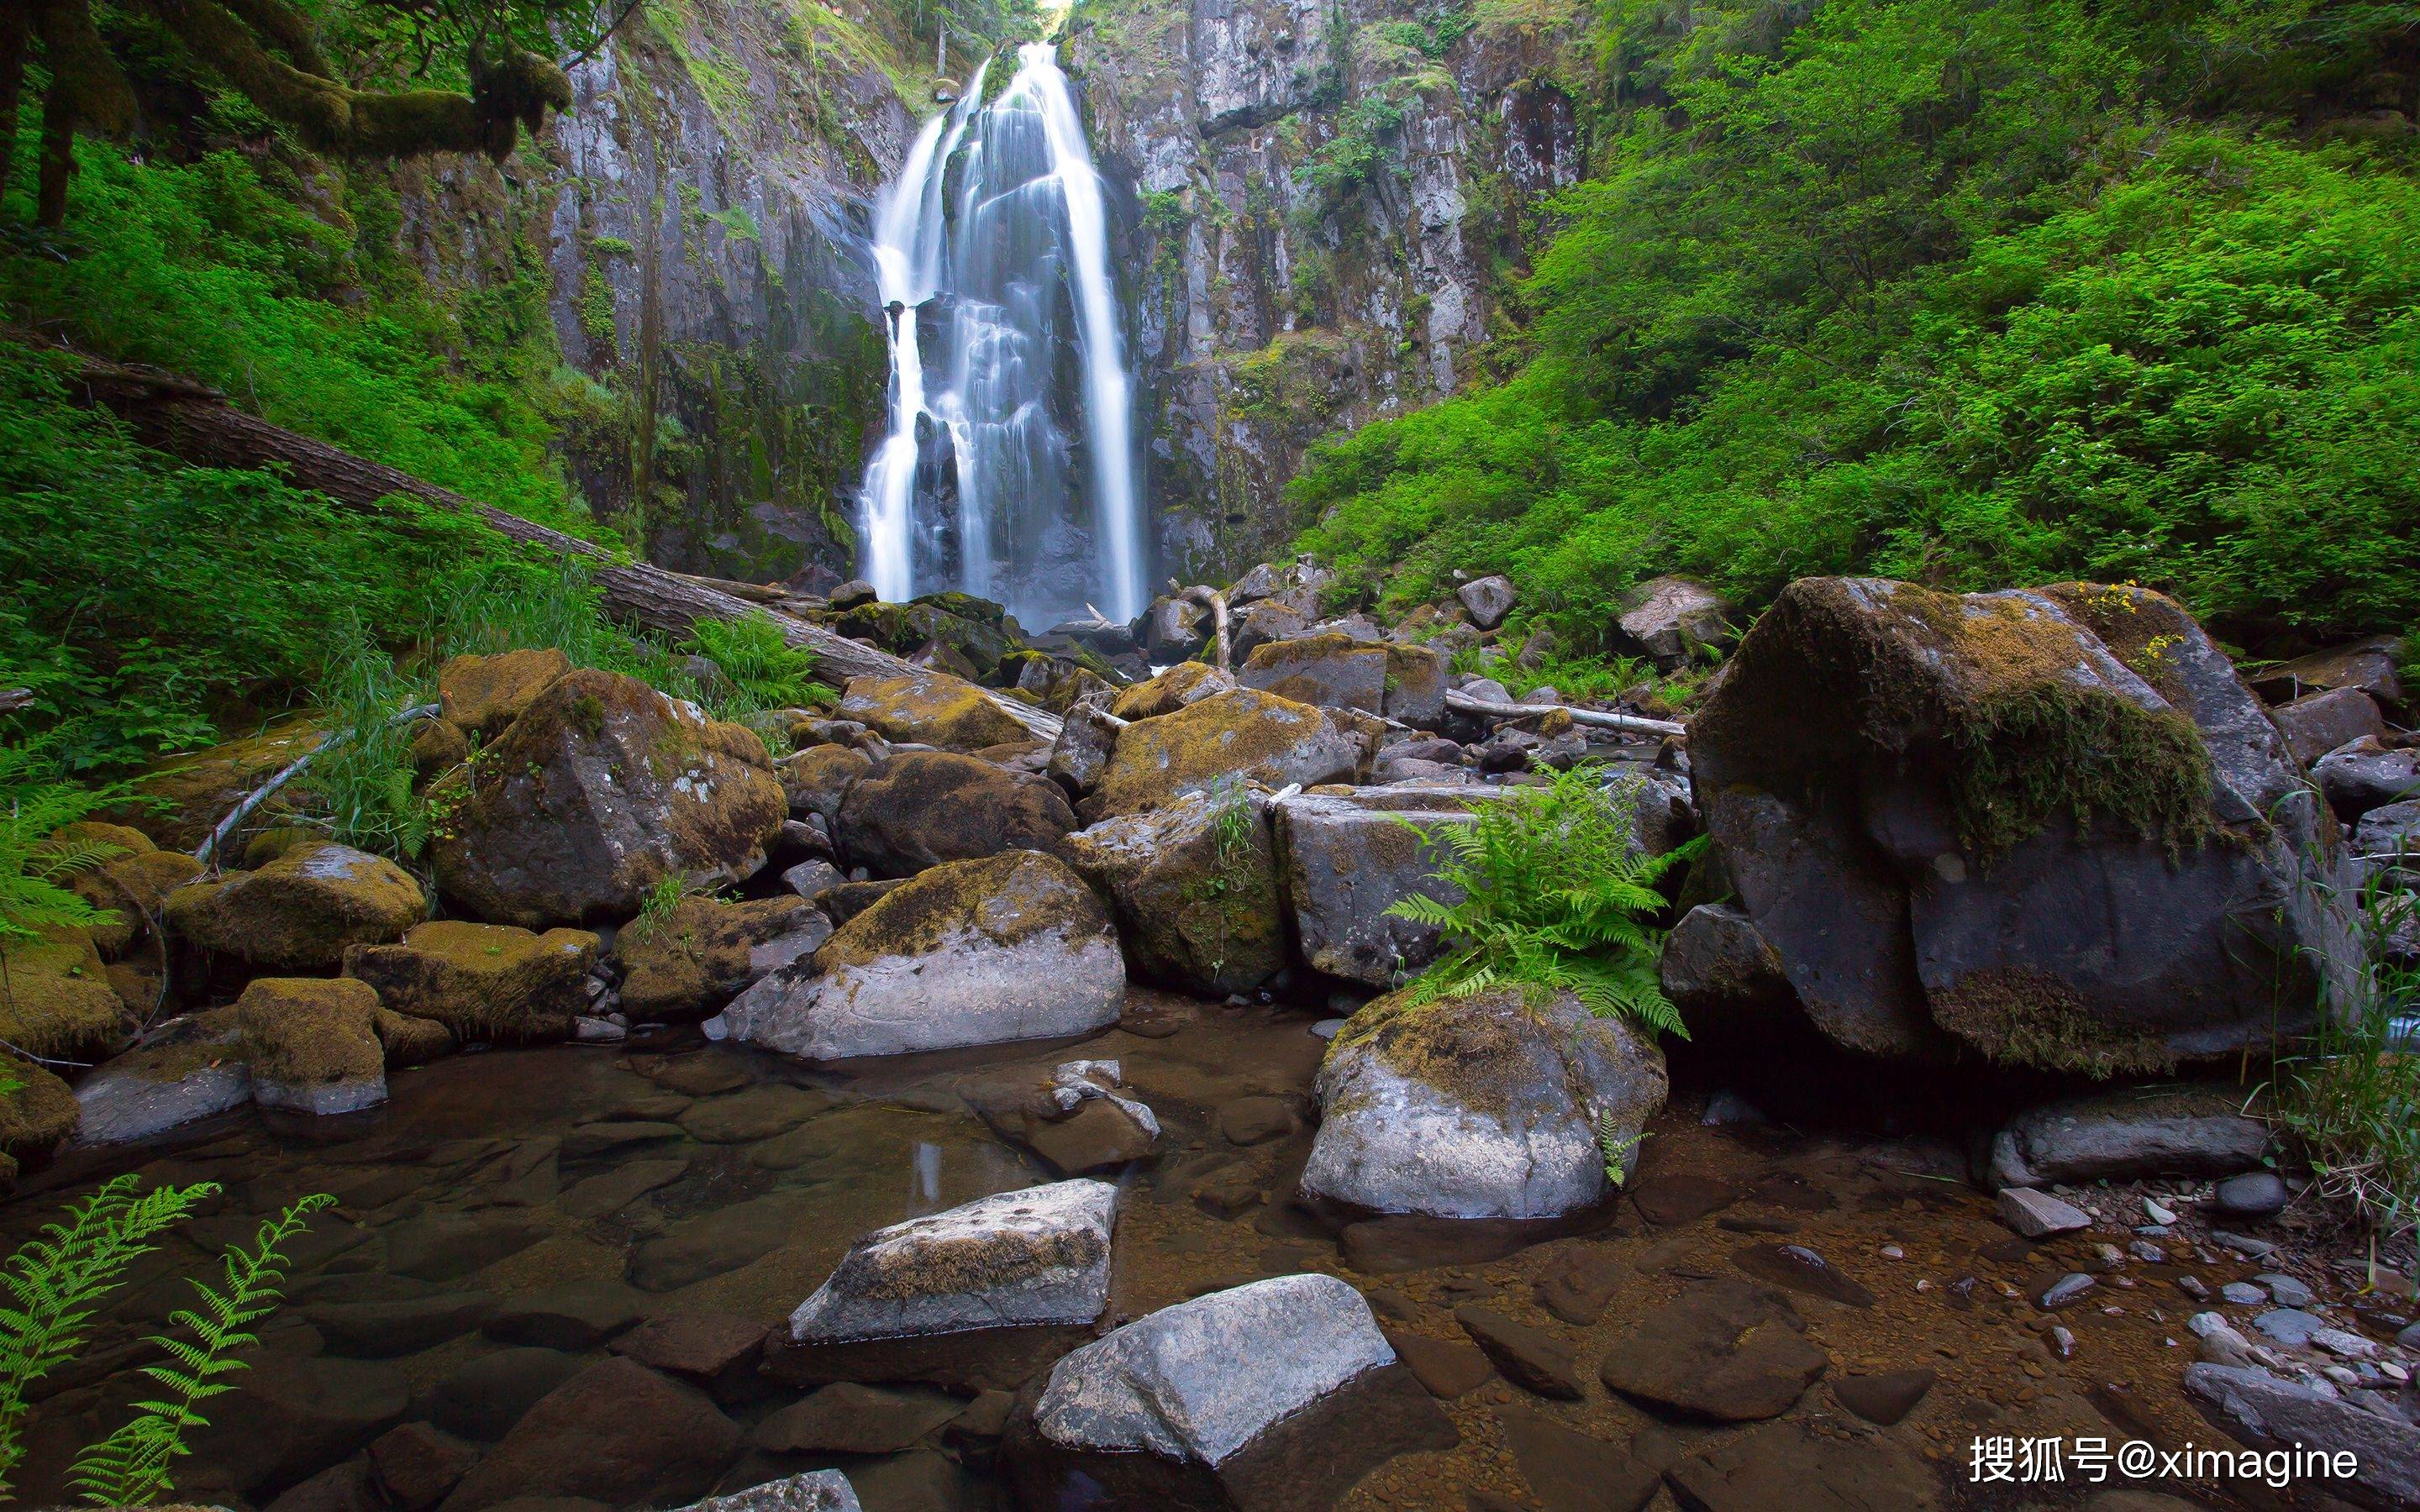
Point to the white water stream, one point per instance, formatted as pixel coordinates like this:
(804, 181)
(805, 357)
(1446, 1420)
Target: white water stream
(1008, 469)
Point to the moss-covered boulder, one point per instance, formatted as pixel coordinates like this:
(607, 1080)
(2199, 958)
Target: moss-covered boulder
(1195, 888)
(1242, 735)
(483, 694)
(1333, 671)
(706, 950)
(921, 808)
(2052, 827)
(1012, 946)
(601, 789)
(1186, 682)
(56, 1000)
(1416, 678)
(300, 911)
(1344, 858)
(482, 982)
(412, 1042)
(197, 788)
(1493, 1105)
(970, 629)
(815, 779)
(1672, 620)
(36, 1117)
(930, 709)
(313, 1043)
(129, 883)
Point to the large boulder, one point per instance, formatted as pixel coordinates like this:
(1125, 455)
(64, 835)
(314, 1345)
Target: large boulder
(1416, 684)
(2381, 1447)
(930, 709)
(813, 1490)
(1973, 825)
(1333, 671)
(1243, 735)
(1182, 686)
(1724, 976)
(1174, 629)
(1278, 1394)
(300, 911)
(1344, 860)
(601, 789)
(921, 808)
(2319, 723)
(1012, 946)
(189, 794)
(483, 982)
(313, 1043)
(480, 695)
(2131, 1135)
(817, 781)
(1195, 887)
(1087, 733)
(192, 1069)
(2368, 666)
(706, 950)
(1489, 1105)
(59, 1003)
(1671, 621)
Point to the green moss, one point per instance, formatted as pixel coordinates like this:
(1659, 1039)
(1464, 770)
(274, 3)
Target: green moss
(2034, 752)
(596, 311)
(2024, 1017)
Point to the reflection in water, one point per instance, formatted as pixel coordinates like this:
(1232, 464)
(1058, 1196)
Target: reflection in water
(926, 1168)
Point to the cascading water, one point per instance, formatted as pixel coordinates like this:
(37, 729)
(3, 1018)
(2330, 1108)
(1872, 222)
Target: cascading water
(1009, 467)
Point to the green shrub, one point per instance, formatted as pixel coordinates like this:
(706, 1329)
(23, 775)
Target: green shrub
(761, 671)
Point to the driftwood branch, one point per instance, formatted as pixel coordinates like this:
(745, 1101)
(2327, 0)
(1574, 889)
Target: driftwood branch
(179, 416)
(1628, 724)
(253, 800)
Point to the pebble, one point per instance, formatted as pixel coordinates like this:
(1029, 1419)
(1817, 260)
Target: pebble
(1892, 1252)
(2161, 1215)
(2037, 1214)
(2394, 1372)
(2349, 1346)
(2243, 1244)
(2341, 1376)
(2147, 1252)
(2152, 1230)
(2410, 1337)
(2289, 1326)
(2066, 1289)
(2194, 1287)
(2253, 1195)
(1728, 1107)
(2243, 1294)
(2062, 1342)
(2109, 1254)
(2289, 1291)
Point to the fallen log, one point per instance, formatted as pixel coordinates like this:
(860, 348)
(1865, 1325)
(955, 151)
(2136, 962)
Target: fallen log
(1628, 724)
(186, 420)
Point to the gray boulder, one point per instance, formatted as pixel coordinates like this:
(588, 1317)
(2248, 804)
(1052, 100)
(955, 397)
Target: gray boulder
(1333, 672)
(1174, 629)
(1087, 733)
(1195, 887)
(2389, 838)
(1724, 976)
(1011, 947)
(1487, 600)
(1343, 861)
(1484, 1107)
(1416, 684)
(2123, 1135)
(2367, 774)
(2319, 723)
(818, 1490)
(1672, 620)
(195, 1072)
(921, 808)
(1279, 1394)
(2368, 665)
(1970, 825)
(2268, 1413)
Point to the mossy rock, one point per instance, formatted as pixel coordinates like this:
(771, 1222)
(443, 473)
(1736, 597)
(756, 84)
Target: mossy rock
(38, 1116)
(1195, 887)
(302, 911)
(691, 961)
(816, 780)
(1186, 682)
(196, 789)
(923, 808)
(601, 789)
(438, 747)
(1332, 670)
(124, 838)
(969, 628)
(313, 1043)
(1241, 736)
(132, 887)
(999, 900)
(410, 1042)
(930, 709)
(483, 982)
(481, 695)
(56, 1000)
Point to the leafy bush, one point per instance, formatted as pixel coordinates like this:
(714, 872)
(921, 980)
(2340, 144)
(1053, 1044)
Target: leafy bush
(1557, 896)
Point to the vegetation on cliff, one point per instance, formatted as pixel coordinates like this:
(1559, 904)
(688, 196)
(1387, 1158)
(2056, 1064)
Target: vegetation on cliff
(1961, 292)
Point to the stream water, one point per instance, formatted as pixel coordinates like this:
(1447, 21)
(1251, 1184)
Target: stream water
(1008, 469)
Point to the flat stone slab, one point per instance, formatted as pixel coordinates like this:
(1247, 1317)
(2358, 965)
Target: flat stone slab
(2267, 1413)
(1728, 1351)
(2038, 1215)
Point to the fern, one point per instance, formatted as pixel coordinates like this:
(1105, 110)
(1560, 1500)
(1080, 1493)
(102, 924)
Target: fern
(1614, 1147)
(54, 1282)
(33, 868)
(130, 1466)
(1556, 897)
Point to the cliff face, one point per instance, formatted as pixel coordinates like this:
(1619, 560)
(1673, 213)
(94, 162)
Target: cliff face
(1327, 197)
(699, 224)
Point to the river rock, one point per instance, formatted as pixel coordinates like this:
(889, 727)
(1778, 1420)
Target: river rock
(1791, 1465)
(2253, 1195)
(1258, 624)
(920, 809)
(484, 1398)
(2124, 1135)
(295, 1416)
(299, 912)
(2321, 722)
(816, 781)
(197, 789)
(59, 1003)
(601, 789)
(1480, 1107)
(617, 1432)
(446, 1247)
(417, 1464)
(1243, 735)
(2038, 1215)
(1078, 1117)
(1014, 947)
(1194, 884)
(1344, 862)
(2368, 665)
(1487, 600)
(849, 1418)
(930, 709)
(2368, 774)
(313, 1043)
(2388, 840)
(1173, 629)
(379, 1330)
(1673, 621)
(2268, 1413)
(481, 695)
(1920, 900)
(718, 1238)
(1180, 687)
(1280, 1394)
(706, 950)
(1530, 1358)
(482, 982)
(1334, 672)
(1081, 753)
(1728, 1351)
(816, 1491)
(572, 1315)
(193, 1071)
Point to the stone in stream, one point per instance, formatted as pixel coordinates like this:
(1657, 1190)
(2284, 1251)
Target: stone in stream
(706, 950)
(1180, 687)
(2319, 723)
(2253, 1195)
(1344, 861)
(575, 1314)
(1012, 946)
(929, 708)
(976, 1295)
(313, 1043)
(609, 1191)
(816, 1491)
(2290, 1326)
(1885, 1399)
(1724, 976)
(1447, 1370)
(2037, 1214)
(1578, 1281)
(1279, 1394)
(1668, 1202)
(38, 1116)
(720, 1239)
(1570, 1471)
(383, 1330)
(1724, 1350)
(1194, 886)
(483, 982)
(1530, 1358)
(847, 1418)
(714, 1352)
(1791, 1465)
(295, 1416)
(616, 1433)
(2057, 1293)
(416, 1464)
(445, 1246)
(1086, 734)
(484, 1398)
(2032, 938)
(299, 911)
(1078, 1116)
(923, 808)
(2260, 1410)
(59, 1001)
(599, 790)
(1242, 735)
(194, 1071)
(1802, 1271)
(1483, 1106)
(752, 1113)
(2141, 1132)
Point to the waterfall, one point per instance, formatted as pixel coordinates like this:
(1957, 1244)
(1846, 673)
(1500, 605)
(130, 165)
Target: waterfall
(991, 252)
